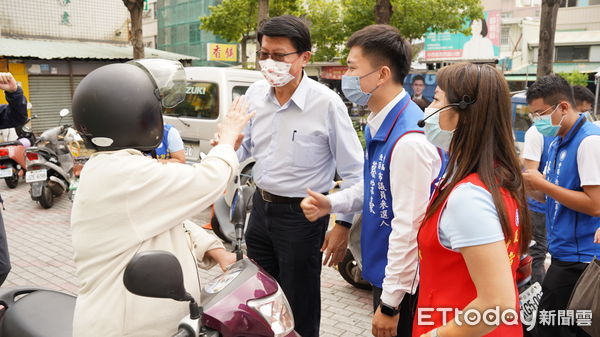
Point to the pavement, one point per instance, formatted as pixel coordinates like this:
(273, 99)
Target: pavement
(41, 255)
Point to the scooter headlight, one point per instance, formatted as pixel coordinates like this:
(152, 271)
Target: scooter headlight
(220, 282)
(276, 310)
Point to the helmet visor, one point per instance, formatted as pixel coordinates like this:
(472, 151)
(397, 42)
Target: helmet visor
(169, 77)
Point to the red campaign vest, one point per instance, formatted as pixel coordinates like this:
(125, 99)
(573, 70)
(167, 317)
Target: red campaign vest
(445, 280)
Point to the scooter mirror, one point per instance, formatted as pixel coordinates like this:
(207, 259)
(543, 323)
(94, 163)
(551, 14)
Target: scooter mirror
(239, 204)
(155, 273)
(64, 112)
(238, 208)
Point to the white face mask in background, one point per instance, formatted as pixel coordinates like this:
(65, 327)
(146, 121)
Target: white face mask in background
(276, 73)
(434, 133)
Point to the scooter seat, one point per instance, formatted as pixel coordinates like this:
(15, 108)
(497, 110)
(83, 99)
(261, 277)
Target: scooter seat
(12, 143)
(42, 313)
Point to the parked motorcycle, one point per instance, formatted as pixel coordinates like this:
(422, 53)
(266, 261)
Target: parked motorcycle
(12, 156)
(50, 163)
(243, 301)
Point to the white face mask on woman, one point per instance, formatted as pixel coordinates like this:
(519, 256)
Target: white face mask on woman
(276, 73)
(434, 133)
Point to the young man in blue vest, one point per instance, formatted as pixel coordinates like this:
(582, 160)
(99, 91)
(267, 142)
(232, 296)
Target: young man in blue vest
(572, 189)
(400, 165)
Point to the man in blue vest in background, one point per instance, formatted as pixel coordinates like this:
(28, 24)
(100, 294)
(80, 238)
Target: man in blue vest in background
(171, 148)
(572, 189)
(400, 166)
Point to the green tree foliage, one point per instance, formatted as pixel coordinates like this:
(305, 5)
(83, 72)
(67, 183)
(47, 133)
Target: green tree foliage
(326, 27)
(333, 21)
(235, 20)
(575, 78)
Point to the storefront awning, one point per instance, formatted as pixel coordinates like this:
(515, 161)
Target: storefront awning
(58, 49)
(528, 72)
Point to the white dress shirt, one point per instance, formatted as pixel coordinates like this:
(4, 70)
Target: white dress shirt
(414, 164)
(303, 142)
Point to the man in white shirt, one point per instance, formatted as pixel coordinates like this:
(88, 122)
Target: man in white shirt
(400, 165)
(128, 203)
(535, 153)
(300, 137)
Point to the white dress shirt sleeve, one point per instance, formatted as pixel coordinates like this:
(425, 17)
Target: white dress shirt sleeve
(414, 164)
(245, 150)
(588, 161)
(347, 151)
(533, 145)
(174, 191)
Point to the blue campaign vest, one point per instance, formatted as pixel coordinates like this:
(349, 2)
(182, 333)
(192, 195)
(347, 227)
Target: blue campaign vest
(377, 212)
(570, 233)
(534, 205)
(162, 151)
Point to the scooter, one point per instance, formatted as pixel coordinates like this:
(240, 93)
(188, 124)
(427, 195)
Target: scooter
(50, 163)
(265, 310)
(243, 301)
(12, 156)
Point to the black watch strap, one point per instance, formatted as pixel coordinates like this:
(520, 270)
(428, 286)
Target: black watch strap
(344, 223)
(388, 310)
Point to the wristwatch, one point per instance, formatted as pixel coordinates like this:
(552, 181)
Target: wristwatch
(388, 310)
(434, 333)
(343, 223)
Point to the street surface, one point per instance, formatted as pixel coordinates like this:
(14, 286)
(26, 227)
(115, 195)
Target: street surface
(41, 255)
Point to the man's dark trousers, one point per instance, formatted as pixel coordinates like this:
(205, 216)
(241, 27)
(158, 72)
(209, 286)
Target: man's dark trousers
(284, 243)
(558, 285)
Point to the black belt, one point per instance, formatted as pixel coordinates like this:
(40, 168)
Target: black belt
(277, 199)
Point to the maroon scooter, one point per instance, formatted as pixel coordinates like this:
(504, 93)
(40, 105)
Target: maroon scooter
(243, 301)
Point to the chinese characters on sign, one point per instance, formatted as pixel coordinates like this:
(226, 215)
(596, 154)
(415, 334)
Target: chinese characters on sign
(222, 52)
(377, 181)
(65, 17)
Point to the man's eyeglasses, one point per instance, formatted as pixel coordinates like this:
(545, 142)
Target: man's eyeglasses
(535, 115)
(274, 56)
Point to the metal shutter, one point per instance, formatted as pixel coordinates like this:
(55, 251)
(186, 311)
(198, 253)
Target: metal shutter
(50, 94)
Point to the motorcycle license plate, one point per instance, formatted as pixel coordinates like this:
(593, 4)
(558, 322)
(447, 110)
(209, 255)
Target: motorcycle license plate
(7, 172)
(530, 299)
(37, 175)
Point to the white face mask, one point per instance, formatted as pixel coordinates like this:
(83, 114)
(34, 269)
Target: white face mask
(276, 73)
(434, 133)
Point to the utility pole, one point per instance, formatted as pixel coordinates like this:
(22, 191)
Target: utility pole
(263, 15)
(547, 32)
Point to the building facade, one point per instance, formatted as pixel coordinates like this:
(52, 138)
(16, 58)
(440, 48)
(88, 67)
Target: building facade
(50, 45)
(178, 31)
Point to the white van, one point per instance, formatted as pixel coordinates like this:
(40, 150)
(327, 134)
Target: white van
(210, 90)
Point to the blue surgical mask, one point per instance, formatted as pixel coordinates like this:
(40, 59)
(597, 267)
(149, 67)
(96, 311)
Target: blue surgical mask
(544, 124)
(434, 133)
(353, 92)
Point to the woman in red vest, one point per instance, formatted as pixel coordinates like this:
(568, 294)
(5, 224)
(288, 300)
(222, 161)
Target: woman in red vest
(476, 225)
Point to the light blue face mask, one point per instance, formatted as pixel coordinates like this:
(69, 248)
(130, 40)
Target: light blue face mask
(353, 92)
(544, 124)
(434, 133)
